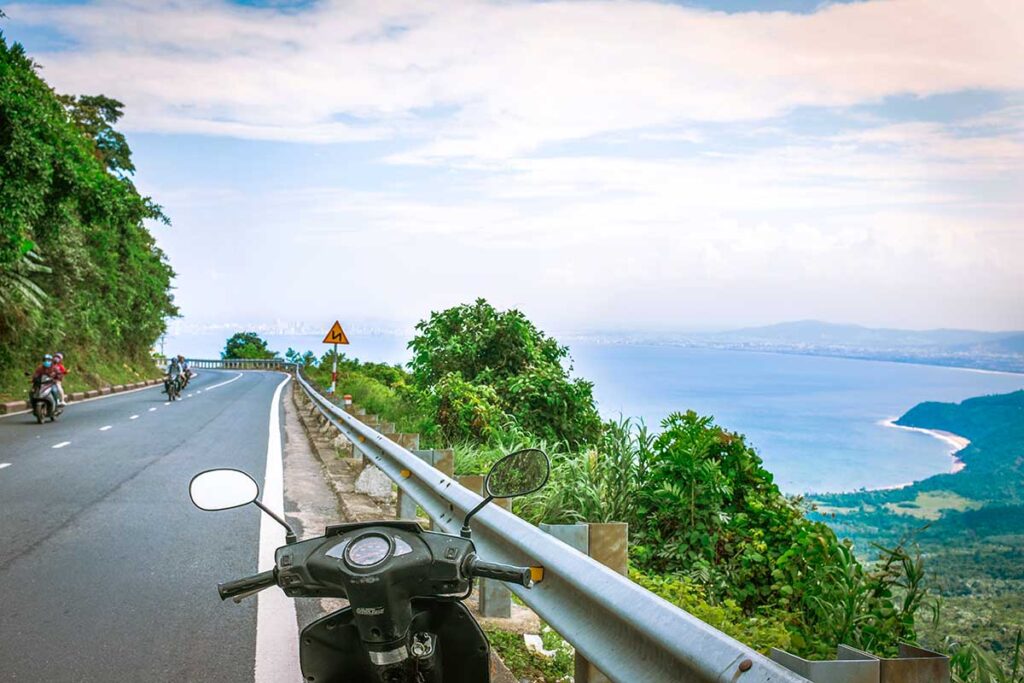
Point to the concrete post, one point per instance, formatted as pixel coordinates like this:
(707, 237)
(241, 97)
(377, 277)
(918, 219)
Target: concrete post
(608, 543)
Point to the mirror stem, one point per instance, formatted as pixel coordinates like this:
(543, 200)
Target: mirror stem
(466, 533)
(289, 536)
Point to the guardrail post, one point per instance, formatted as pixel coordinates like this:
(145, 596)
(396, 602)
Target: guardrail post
(849, 666)
(608, 543)
(495, 600)
(914, 665)
(405, 507)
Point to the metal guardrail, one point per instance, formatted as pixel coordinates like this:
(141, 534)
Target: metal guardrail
(233, 364)
(629, 633)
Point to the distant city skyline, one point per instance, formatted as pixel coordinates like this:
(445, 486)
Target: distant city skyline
(645, 166)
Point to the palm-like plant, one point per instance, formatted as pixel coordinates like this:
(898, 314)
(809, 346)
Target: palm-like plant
(17, 287)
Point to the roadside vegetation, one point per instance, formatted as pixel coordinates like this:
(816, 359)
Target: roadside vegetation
(709, 529)
(79, 271)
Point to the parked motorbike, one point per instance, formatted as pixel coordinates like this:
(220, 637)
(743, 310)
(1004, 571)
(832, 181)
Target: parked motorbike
(405, 622)
(43, 399)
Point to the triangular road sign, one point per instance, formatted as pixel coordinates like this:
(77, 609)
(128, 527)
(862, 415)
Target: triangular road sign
(336, 335)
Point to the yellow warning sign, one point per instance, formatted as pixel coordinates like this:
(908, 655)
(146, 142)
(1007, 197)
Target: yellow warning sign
(336, 335)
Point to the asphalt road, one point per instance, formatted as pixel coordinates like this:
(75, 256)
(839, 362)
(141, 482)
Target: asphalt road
(107, 571)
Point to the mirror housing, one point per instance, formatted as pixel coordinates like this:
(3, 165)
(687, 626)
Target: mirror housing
(222, 489)
(517, 474)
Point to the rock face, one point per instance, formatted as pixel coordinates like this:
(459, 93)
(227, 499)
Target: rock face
(374, 483)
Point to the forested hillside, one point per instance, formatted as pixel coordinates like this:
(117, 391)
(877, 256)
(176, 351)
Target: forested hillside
(970, 525)
(79, 271)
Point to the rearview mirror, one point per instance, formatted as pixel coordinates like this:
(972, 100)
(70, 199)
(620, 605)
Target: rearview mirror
(222, 489)
(518, 474)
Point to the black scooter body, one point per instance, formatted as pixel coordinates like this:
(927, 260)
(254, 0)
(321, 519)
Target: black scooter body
(331, 651)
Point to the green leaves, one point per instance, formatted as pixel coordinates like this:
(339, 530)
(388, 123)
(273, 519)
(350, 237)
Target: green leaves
(72, 229)
(507, 370)
(246, 345)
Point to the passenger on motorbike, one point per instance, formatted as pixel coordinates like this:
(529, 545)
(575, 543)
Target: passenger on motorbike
(186, 371)
(58, 364)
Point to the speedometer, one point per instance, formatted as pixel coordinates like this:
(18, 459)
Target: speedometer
(368, 551)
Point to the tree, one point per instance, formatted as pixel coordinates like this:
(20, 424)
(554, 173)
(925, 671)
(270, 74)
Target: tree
(517, 363)
(95, 115)
(246, 345)
(72, 230)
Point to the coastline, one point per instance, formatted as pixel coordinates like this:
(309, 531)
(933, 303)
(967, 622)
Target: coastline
(956, 443)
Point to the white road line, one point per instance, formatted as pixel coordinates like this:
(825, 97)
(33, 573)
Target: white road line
(238, 376)
(152, 409)
(4, 464)
(134, 417)
(62, 444)
(188, 395)
(168, 403)
(106, 427)
(86, 400)
(277, 647)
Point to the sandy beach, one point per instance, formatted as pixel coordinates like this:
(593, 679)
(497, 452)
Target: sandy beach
(956, 442)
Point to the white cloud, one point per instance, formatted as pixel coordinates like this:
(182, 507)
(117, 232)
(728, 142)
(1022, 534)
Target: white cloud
(877, 222)
(514, 74)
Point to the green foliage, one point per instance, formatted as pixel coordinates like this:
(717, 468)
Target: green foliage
(704, 512)
(760, 631)
(530, 666)
(480, 362)
(79, 272)
(379, 388)
(598, 484)
(95, 116)
(975, 556)
(307, 359)
(246, 345)
(465, 411)
(971, 664)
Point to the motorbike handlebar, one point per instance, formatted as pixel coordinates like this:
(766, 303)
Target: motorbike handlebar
(250, 584)
(500, 572)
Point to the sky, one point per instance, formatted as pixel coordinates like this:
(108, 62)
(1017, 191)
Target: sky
(601, 165)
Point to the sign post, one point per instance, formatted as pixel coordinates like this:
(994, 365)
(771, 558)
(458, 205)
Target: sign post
(335, 336)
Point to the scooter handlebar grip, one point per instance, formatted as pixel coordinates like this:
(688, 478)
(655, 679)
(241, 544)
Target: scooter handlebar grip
(250, 583)
(500, 572)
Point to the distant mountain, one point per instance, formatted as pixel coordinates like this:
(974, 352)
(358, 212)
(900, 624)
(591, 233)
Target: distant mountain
(818, 333)
(1002, 351)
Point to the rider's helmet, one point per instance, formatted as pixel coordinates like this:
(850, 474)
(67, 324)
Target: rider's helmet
(47, 360)
(58, 357)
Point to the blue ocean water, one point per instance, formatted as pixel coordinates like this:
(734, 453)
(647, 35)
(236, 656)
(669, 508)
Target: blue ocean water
(816, 421)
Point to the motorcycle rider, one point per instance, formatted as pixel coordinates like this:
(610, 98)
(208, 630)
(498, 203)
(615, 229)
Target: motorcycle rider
(58, 364)
(173, 371)
(47, 368)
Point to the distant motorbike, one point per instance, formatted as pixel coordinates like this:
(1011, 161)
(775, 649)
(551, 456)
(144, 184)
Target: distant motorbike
(173, 387)
(43, 399)
(405, 622)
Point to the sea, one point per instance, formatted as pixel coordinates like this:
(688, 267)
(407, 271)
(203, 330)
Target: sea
(818, 423)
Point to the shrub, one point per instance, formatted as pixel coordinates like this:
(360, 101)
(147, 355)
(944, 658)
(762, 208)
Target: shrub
(246, 345)
(760, 631)
(506, 363)
(465, 411)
